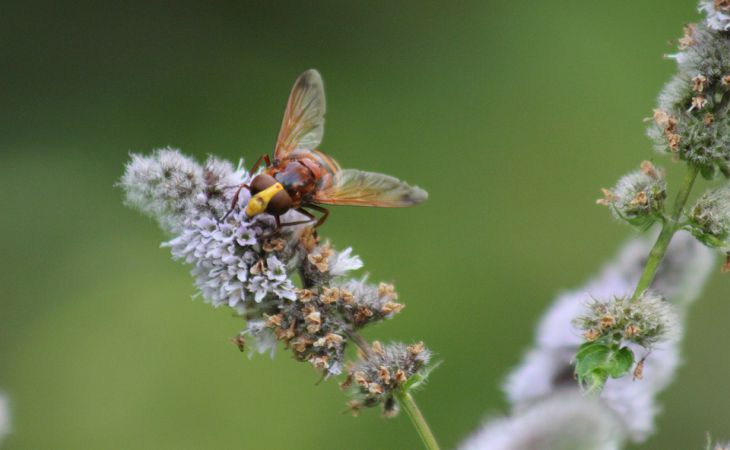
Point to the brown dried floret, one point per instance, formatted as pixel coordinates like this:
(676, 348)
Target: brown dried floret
(274, 245)
(687, 40)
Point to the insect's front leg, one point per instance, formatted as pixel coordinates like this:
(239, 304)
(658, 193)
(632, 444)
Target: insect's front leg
(265, 158)
(234, 201)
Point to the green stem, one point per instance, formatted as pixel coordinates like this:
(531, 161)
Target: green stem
(419, 422)
(670, 226)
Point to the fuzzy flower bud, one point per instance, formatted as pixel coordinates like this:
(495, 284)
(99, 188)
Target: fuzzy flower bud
(387, 369)
(638, 198)
(710, 218)
(608, 326)
(644, 321)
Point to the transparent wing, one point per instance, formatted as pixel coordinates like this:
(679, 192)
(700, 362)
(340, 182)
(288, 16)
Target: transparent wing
(303, 124)
(358, 188)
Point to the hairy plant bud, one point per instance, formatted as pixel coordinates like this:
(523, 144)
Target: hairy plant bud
(638, 198)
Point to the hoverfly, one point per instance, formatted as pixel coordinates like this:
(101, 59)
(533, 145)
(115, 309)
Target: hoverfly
(300, 177)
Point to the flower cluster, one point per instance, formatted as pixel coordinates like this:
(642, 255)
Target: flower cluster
(547, 369)
(246, 264)
(173, 188)
(691, 120)
(608, 326)
(644, 321)
(638, 198)
(384, 371)
(709, 218)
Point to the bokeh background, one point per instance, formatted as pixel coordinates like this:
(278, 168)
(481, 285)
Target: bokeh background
(512, 114)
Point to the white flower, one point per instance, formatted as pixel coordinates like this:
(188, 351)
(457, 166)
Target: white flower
(344, 261)
(565, 421)
(264, 339)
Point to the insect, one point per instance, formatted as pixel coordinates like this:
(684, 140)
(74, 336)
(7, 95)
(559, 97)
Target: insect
(302, 178)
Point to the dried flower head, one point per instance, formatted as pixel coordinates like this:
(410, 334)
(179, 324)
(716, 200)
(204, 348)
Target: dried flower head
(638, 198)
(645, 321)
(698, 83)
(709, 218)
(380, 374)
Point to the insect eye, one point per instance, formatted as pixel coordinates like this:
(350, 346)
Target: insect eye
(261, 182)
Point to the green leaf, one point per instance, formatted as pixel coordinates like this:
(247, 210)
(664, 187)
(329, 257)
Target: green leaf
(596, 361)
(620, 362)
(591, 357)
(596, 380)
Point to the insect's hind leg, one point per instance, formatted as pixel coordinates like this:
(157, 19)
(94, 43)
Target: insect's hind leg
(300, 210)
(325, 214)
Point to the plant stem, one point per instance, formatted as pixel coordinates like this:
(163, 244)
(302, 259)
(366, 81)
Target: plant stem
(669, 227)
(419, 422)
(361, 343)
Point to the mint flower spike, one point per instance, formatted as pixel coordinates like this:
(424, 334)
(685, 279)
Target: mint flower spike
(287, 285)
(547, 368)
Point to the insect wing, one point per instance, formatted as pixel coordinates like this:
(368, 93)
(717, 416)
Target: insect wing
(303, 124)
(358, 188)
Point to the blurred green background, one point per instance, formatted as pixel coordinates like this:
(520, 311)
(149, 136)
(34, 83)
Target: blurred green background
(512, 114)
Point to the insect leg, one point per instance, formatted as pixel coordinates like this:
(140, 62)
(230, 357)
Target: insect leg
(265, 158)
(234, 201)
(298, 222)
(325, 213)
